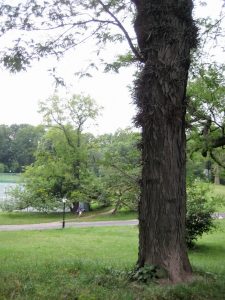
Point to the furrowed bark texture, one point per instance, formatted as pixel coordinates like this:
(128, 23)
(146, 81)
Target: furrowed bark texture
(166, 33)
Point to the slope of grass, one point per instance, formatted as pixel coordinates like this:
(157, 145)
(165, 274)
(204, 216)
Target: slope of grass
(220, 191)
(92, 263)
(15, 218)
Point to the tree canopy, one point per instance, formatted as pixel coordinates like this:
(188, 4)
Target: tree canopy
(206, 119)
(18, 144)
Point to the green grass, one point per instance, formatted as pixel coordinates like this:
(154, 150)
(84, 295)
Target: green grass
(16, 218)
(91, 263)
(220, 191)
(108, 216)
(10, 177)
(210, 251)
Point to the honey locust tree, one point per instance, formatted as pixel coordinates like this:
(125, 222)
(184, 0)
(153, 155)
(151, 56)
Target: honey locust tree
(164, 34)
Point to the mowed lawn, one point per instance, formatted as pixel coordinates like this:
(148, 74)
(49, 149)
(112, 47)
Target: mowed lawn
(220, 191)
(16, 218)
(92, 263)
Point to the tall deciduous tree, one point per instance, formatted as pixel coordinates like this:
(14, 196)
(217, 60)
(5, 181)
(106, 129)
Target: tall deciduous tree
(165, 34)
(51, 176)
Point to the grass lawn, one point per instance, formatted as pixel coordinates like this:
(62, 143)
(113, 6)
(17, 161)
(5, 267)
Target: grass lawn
(15, 218)
(92, 263)
(220, 190)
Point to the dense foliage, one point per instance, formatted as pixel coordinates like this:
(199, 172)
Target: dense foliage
(205, 118)
(120, 167)
(109, 167)
(18, 144)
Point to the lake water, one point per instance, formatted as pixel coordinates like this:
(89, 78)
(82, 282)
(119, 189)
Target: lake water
(4, 187)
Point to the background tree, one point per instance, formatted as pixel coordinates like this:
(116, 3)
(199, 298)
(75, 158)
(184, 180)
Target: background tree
(5, 148)
(18, 144)
(119, 162)
(24, 144)
(73, 113)
(206, 116)
(51, 176)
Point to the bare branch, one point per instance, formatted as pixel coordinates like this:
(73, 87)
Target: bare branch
(213, 25)
(72, 24)
(124, 173)
(119, 24)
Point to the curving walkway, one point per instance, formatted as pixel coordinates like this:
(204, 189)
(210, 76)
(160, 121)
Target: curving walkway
(58, 225)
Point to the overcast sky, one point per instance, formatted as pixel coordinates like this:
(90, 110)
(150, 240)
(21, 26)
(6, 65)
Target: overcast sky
(20, 93)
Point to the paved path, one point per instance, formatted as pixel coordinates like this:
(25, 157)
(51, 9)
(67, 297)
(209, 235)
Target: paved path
(58, 225)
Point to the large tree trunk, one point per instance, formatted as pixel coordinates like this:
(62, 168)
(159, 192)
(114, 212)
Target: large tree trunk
(165, 34)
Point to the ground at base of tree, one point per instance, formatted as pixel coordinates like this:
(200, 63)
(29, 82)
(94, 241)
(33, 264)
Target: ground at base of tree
(93, 263)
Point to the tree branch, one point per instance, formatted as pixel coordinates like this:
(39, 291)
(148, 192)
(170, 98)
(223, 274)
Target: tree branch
(124, 173)
(119, 24)
(72, 24)
(219, 142)
(216, 160)
(212, 26)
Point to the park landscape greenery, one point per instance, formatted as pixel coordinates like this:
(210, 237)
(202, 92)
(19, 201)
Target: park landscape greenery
(69, 162)
(95, 263)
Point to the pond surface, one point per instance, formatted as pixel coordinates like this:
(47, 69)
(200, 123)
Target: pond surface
(4, 187)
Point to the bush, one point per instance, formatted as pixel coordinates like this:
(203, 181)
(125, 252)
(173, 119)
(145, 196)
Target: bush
(200, 207)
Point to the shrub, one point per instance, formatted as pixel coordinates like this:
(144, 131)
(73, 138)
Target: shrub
(147, 274)
(200, 207)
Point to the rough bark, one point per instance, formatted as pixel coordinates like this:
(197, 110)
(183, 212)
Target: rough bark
(166, 34)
